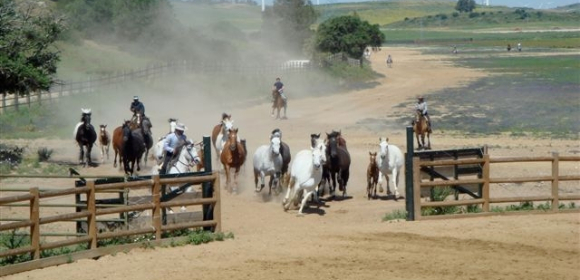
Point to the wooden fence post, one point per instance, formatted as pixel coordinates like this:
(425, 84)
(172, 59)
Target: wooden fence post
(92, 219)
(16, 105)
(417, 187)
(555, 182)
(485, 175)
(156, 199)
(35, 218)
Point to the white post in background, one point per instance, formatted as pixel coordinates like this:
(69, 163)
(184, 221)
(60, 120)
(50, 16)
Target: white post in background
(263, 6)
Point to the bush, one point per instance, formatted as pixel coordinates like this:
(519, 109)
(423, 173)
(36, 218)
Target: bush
(455, 14)
(10, 155)
(473, 15)
(44, 154)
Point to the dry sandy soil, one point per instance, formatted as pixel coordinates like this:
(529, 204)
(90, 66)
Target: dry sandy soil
(347, 239)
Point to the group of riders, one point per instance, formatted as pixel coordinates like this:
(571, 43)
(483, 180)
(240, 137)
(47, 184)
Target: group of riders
(174, 138)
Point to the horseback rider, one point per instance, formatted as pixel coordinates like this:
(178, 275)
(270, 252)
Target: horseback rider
(171, 142)
(279, 87)
(137, 107)
(421, 107)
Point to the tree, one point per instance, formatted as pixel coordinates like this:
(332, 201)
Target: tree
(288, 23)
(465, 6)
(348, 34)
(28, 57)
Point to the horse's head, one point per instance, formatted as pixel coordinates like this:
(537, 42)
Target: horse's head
(172, 125)
(146, 125)
(318, 156)
(232, 139)
(102, 129)
(227, 124)
(383, 147)
(373, 157)
(192, 155)
(275, 145)
(332, 142)
(314, 139)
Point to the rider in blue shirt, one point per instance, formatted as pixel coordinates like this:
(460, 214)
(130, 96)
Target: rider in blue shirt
(171, 142)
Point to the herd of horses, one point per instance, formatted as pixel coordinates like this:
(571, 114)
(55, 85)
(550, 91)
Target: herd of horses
(325, 165)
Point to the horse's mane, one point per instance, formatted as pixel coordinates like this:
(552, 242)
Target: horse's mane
(225, 116)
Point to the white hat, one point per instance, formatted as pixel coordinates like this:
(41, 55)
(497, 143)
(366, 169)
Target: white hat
(86, 111)
(135, 97)
(180, 126)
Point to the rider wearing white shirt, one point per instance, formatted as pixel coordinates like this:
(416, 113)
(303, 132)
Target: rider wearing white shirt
(171, 142)
(421, 106)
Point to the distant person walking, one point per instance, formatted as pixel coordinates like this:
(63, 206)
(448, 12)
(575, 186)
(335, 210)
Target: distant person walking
(519, 47)
(389, 61)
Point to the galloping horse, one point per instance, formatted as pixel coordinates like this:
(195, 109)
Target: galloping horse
(104, 141)
(118, 143)
(390, 163)
(147, 136)
(277, 104)
(421, 128)
(233, 156)
(338, 162)
(219, 134)
(268, 162)
(133, 149)
(85, 136)
(372, 175)
(305, 175)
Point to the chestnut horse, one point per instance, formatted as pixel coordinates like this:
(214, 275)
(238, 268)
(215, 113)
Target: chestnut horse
(421, 128)
(277, 104)
(233, 156)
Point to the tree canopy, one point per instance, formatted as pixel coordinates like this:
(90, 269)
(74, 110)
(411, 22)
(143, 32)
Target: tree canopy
(465, 5)
(28, 57)
(348, 34)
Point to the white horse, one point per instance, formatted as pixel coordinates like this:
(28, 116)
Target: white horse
(305, 175)
(268, 162)
(188, 157)
(158, 148)
(390, 162)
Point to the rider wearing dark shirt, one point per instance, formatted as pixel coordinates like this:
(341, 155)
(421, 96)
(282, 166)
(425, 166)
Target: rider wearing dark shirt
(137, 106)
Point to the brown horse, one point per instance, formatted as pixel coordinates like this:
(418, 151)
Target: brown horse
(277, 104)
(421, 128)
(372, 175)
(104, 141)
(233, 156)
(118, 143)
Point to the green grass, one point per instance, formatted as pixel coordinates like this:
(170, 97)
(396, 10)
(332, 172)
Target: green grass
(395, 215)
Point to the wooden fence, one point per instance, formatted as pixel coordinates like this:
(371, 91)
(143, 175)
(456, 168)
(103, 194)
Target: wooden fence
(90, 212)
(485, 199)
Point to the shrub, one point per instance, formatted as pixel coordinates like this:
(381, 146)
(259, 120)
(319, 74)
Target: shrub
(473, 15)
(455, 14)
(44, 154)
(395, 215)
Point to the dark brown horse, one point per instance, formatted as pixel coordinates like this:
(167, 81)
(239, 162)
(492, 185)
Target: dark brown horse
(277, 104)
(232, 156)
(133, 149)
(372, 175)
(86, 137)
(338, 160)
(421, 128)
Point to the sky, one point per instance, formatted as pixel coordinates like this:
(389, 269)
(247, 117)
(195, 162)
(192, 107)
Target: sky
(536, 4)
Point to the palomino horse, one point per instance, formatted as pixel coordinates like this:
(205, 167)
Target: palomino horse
(372, 175)
(85, 136)
(305, 175)
(278, 104)
(268, 162)
(338, 162)
(421, 128)
(232, 156)
(219, 134)
(390, 163)
(104, 141)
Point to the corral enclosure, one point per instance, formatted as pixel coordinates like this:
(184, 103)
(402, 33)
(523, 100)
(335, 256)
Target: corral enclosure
(346, 239)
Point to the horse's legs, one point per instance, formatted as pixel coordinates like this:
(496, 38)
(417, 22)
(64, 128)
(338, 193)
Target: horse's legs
(395, 178)
(418, 141)
(304, 200)
(428, 141)
(89, 149)
(236, 173)
(227, 173)
(115, 159)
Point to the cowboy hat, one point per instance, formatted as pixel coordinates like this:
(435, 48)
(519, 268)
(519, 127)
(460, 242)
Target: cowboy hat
(86, 111)
(135, 97)
(180, 126)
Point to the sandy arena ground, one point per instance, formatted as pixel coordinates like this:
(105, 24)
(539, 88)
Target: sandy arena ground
(347, 239)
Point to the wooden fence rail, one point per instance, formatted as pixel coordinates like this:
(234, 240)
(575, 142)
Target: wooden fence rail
(486, 179)
(91, 212)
